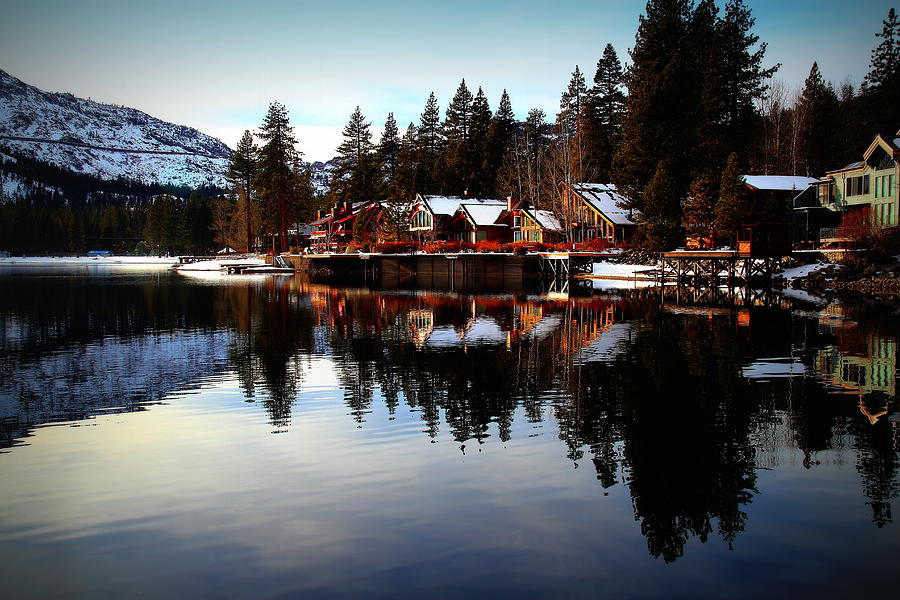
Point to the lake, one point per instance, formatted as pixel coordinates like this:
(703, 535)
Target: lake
(265, 437)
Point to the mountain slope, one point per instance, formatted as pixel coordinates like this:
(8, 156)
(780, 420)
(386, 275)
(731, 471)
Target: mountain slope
(104, 140)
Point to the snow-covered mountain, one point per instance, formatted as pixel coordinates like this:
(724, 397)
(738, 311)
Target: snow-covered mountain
(105, 140)
(320, 173)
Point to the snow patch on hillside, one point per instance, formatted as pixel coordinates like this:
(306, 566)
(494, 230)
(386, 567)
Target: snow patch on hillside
(105, 140)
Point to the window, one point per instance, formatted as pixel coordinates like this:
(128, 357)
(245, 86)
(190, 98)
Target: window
(421, 219)
(857, 186)
(825, 195)
(517, 221)
(517, 235)
(481, 236)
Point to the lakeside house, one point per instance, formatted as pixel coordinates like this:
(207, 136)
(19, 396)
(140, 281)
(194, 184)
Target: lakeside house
(765, 229)
(534, 225)
(847, 205)
(434, 217)
(480, 222)
(334, 230)
(594, 211)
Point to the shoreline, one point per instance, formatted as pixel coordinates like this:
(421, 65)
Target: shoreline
(53, 261)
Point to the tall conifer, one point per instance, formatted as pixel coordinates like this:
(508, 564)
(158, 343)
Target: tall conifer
(241, 171)
(276, 176)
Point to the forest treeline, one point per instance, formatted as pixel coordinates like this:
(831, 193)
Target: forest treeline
(696, 106)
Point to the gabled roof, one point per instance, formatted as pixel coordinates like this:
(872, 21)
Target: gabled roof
(447, 205)
(785, 183)
(545, 219)
(604, 198)
(482, 214)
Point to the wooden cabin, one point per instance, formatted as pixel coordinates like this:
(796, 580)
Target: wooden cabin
(434, 217)
(333, 231)
(594, 211)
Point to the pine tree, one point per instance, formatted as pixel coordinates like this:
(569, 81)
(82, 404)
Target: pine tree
(660, 118)
(354, 178)
(733, 204)
(886, 56)
(478, 181)
(241, 171)
(603, 120)
(743, 78)
(388, 154)
(499, 138)
(457, 129)
(699, 209)
(430, 146)
(816, 115)
(408, 165)
(276, 176)
(882, 92)
(393, 220)
(661, 219)
(570, 133)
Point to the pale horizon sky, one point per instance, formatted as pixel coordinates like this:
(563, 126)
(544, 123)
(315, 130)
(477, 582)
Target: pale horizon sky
(216, 66)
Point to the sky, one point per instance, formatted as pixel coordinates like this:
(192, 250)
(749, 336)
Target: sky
(217, 65)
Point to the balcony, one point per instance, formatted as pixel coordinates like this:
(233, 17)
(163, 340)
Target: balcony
(833, 235)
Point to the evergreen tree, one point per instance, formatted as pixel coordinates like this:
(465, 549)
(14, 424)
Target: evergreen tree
(743, 78)
(603, 119)
(660, 118)
(661, 218)
(408, 165)
(276, 177)
(733, 206)
(569, 130)
(817, 113)
(388, 155)
(882, 92)
(241, 171)
(478, 180)
(164, 229)
(430, 146)
(354, 178)
(499, 138)
(457, 130)
(699, 209)
(394, 217)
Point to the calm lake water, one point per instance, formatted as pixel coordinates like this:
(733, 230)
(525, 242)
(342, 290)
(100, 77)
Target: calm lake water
(172, 436)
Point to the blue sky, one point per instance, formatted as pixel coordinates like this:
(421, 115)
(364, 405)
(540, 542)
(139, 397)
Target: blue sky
(217, 65)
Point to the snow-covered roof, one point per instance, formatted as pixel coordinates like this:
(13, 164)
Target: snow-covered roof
(447, 205)
(605, 199)
(482, 214)
(784, 183)
(545, 219)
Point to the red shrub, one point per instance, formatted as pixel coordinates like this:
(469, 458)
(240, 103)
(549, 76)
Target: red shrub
(397, 247)
(486, 246)
(593, 245)
(560, 247)
(523, 247)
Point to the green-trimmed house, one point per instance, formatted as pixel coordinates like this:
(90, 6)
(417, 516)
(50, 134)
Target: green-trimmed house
(848, 204)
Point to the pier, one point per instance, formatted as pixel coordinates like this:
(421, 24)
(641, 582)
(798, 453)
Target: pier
(463, 267)
(714, 267)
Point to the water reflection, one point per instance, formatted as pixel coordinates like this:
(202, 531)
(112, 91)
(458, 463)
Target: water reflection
(681, 404)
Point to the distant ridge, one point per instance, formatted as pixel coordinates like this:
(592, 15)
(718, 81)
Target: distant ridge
(106, 141)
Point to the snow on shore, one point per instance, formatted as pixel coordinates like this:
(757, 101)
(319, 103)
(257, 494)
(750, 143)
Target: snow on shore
(615, 275)
(52, 261)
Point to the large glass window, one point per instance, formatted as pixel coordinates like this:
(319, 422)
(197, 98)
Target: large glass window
(857, 186)
(421, 219)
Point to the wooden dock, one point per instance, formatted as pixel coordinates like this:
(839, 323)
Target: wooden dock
(456, 267)
(715, 267)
